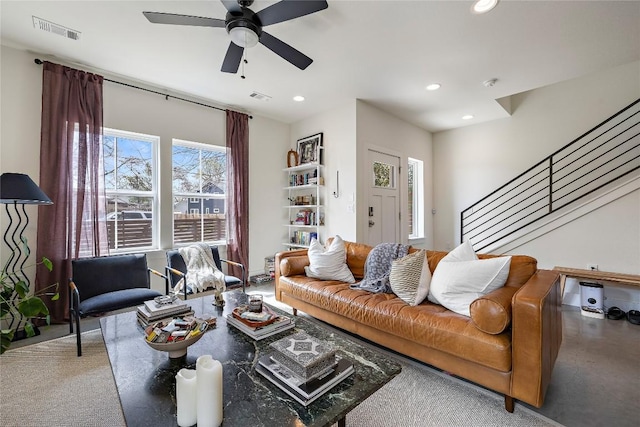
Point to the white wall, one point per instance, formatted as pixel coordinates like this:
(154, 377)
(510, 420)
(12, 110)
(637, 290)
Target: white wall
(138, 111)
(471, 162)
(339, 139)
(378, 129)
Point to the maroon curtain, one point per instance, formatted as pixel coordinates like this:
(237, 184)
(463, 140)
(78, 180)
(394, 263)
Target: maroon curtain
(238, 189)
(71, 174)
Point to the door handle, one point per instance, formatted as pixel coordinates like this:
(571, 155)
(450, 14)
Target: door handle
(371, 223)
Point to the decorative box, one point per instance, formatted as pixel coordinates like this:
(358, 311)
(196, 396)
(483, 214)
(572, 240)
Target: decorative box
(304, 355)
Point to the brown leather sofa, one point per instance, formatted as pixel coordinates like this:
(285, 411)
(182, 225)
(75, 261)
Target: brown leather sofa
(509, 344)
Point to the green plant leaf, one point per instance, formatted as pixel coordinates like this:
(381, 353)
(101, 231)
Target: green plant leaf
(32, 306)
(5, 340)
(25, 246)
(47, 263)
(28, 329)
(56, 297)
(48, 319)
(22, 289)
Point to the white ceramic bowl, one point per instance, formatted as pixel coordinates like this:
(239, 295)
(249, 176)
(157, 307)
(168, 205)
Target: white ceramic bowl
(175, 349)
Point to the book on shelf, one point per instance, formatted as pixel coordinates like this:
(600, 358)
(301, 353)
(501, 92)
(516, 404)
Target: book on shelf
(303, 391)
(144, 321)
(283, 323)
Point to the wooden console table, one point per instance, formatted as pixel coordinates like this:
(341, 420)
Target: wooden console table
(623, 279)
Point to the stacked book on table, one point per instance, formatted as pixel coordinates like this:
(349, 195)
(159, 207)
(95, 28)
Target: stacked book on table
(259, 325)
(152, 312)
(303, 367)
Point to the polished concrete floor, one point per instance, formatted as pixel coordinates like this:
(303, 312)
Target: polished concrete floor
(595, 382)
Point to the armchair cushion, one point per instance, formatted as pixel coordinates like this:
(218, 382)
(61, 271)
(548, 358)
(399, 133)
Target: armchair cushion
(116, 300)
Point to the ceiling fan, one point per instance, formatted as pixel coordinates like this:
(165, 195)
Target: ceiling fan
(245, 27)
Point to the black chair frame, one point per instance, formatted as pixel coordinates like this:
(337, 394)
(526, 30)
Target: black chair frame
(107, 283)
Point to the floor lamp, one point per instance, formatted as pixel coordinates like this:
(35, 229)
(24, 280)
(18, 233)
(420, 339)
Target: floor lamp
(18, 189)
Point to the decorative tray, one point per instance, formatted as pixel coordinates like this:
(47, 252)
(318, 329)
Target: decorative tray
(237, 313)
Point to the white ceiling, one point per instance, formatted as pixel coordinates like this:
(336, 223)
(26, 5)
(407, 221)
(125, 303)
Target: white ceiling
(383, 52)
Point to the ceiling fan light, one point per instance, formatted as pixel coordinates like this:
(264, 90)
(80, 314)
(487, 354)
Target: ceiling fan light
(243, 37)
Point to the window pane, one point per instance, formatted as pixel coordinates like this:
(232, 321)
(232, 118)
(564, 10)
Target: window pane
(134, 163)
(214, 168)
(186, 169)
(410, 192)
(129, 222)
(109, 154)
(194, 220)
(383, 175)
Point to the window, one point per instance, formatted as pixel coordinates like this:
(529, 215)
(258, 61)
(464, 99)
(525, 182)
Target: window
(199, 185)
(415, 200)
(383, 175)
(130, 187)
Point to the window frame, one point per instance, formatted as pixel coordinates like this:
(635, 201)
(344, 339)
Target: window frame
(197, 197)
(154, 140)
(417, 202)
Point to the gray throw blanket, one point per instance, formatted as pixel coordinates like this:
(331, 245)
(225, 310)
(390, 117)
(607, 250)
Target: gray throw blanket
(378, 266)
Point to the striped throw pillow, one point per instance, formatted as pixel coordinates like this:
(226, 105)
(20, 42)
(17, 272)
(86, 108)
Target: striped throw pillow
(410, 277)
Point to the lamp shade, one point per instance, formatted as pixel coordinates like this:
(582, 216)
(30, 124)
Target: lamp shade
(19, 188)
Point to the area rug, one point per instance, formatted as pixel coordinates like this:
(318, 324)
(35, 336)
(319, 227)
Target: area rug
(45, 384)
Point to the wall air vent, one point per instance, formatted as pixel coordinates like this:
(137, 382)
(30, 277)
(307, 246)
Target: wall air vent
(50, 27)
(260, 96)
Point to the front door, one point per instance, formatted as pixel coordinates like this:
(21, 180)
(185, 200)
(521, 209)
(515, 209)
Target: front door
(384, 198)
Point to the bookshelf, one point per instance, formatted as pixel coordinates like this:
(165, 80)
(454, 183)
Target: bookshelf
(304, 203)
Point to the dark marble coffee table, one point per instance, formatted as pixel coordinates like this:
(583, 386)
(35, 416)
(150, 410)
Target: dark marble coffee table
(145, 378)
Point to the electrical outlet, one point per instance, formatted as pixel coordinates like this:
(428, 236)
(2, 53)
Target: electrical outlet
(592, 267)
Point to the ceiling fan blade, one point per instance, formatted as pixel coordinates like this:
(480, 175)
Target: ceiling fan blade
(232, 58)
(231, 5)
(174, 19)
(282, 49)
(289, 9)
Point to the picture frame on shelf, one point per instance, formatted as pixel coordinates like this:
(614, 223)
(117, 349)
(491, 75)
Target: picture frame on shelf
(307, 148)
(292, 159)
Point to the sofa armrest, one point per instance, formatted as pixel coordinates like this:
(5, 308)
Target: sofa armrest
(280, 257)
(536, 335)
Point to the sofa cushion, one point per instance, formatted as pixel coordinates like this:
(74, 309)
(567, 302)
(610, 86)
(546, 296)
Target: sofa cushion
(428, 324)
(329, 264)
(491, 313)
(410, 277)
(456, 285)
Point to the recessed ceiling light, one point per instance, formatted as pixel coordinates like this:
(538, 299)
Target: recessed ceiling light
(483, 6)
(467, 117)
(434, 86)
(298, 98)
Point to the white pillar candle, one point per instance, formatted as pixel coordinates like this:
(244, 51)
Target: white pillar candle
(186, 397)
(209, 408)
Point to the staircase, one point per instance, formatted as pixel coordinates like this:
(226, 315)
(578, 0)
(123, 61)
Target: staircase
(582, 170)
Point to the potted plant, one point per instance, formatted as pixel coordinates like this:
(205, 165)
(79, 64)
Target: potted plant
(17, 302)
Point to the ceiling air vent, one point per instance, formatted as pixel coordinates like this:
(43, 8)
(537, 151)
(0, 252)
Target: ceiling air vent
(50, 27)
(260, 96)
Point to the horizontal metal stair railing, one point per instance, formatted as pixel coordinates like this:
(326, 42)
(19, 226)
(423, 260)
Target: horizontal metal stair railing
(602, 155)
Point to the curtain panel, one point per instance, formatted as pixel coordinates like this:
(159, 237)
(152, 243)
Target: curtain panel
(237, 189)
(71, 173)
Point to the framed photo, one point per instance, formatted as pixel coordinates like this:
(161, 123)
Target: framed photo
(308, 149)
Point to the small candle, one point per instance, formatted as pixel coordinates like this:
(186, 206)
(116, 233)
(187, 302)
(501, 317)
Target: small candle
(209, 407)
(186, 389)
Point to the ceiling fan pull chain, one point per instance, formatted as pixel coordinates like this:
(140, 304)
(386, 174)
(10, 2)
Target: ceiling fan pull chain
(244, 61)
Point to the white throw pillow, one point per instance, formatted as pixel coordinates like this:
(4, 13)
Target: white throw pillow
(463, 252)
(456, 285)
(410, 277)
(330, 264)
